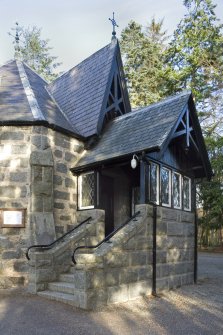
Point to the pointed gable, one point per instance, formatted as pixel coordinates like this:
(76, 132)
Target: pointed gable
(150, 129)
(83, 92)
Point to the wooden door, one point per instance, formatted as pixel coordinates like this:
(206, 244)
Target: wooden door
(107, 202)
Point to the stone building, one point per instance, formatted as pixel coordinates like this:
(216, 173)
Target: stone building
(75, 158)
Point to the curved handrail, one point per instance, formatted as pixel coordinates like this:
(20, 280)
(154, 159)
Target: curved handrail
(49, 246)
(106, 238)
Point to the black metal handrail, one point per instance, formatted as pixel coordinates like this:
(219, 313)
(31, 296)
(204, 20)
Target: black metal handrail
(107, 238)
(49, 246)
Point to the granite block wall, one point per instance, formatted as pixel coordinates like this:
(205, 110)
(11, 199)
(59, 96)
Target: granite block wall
(35, 175)
(175, 248)
(117, 271)
(15, 149)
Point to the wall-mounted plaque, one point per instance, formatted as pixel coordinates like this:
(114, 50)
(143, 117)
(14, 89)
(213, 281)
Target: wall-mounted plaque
(12, 217)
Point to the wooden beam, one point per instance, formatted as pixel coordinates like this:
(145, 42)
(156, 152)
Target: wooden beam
(187, 129)
(194, 143)
(113, 105)
(181, 132)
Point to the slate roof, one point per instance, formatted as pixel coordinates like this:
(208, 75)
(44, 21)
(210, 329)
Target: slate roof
(51, 112)
(14, 101)
(80, 91)
(144, 129)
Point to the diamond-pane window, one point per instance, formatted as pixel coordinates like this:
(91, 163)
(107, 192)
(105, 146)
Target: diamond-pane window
(165, 175)
(86, 190)
(187, 193)
(177, 190)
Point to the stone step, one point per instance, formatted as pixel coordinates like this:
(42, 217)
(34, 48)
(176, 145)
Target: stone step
(58, 296)
(72, 270)
(61, 287)
(66, 277)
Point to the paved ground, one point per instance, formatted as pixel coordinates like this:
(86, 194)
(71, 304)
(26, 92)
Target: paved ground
(192, 310)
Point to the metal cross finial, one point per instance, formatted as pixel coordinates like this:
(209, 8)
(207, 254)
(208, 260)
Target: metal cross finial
(17, 34)
(16, 41)
(114, 25)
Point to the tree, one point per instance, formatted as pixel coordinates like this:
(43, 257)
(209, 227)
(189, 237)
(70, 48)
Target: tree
(194, 57)
(142, 52)
(211, 193)
(194, 61)
(34, 51)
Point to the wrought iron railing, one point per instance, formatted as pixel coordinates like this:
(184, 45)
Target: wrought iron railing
(107, 238)
(49, 246)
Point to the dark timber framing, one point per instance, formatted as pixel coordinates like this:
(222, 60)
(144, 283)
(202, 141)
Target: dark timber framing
(116, 100)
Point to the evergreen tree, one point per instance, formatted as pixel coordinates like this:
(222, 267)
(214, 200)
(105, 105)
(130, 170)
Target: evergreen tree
(211, 193)
(195, 61)
(143, 51)
(34, 51)
(194, 57)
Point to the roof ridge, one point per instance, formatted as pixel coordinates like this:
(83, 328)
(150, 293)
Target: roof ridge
(170, 97)
(34, 106)
(158, 103)
(24, 63)
(82, 62)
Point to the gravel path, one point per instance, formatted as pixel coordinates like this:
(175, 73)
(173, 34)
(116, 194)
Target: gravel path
(191, 310)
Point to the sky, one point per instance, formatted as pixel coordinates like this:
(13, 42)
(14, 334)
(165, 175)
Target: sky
(78, 28)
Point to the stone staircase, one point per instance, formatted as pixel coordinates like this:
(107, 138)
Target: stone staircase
(64, 289)
(118, 270)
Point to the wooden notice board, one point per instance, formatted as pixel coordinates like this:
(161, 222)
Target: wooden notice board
(12, 217)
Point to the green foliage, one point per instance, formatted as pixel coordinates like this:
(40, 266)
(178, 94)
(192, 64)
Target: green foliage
(143, 61)
(211, 193)
(194, 57)
(192, 60)
(34, 51)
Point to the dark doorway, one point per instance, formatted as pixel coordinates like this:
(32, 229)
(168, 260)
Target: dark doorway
(107, 202)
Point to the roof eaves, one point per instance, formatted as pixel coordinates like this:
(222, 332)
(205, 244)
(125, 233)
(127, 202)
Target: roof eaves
(204, 156)
(113, 159)
(44, 123)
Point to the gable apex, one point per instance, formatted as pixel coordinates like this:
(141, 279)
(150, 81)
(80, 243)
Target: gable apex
(186, 131)
(116, 99)
(82, 91)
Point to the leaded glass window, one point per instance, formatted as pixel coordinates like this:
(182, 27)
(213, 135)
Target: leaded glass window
(86, 190)
(154, 183)
(165, 177)
(177, 190)
(186, 193)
